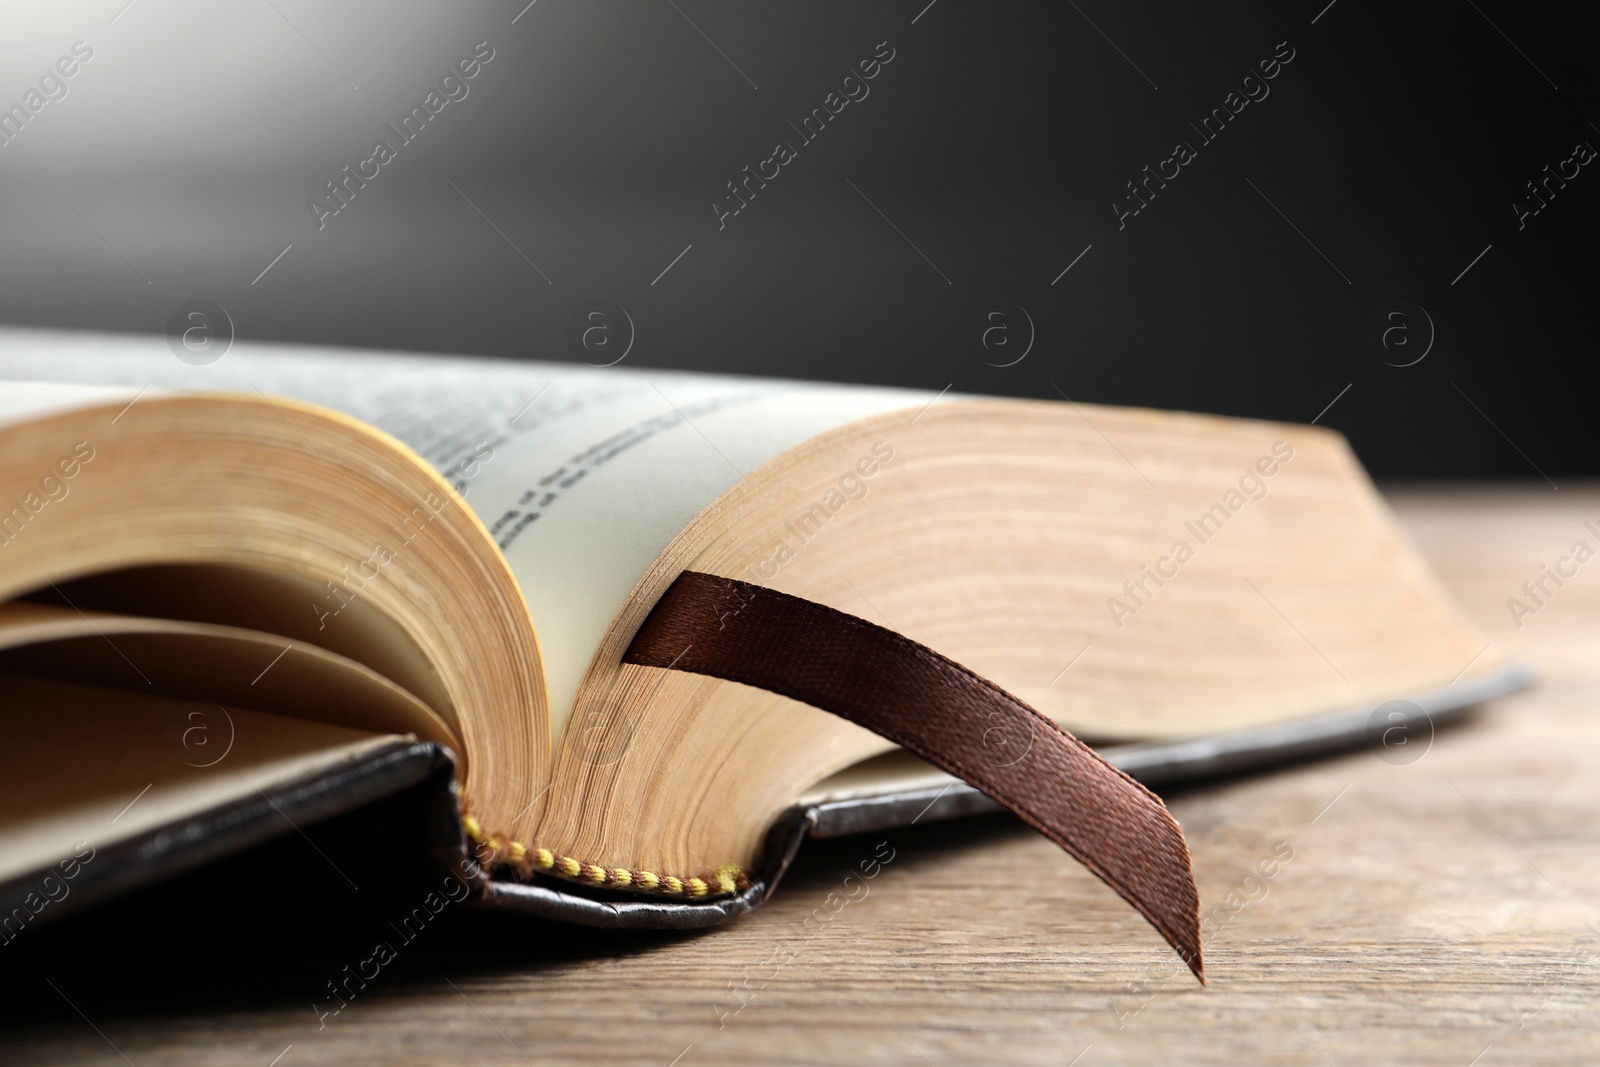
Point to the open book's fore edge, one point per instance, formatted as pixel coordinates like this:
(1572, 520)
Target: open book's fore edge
(171, 850)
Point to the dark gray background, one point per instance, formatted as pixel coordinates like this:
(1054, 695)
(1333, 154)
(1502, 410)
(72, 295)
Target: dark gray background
(991, 149)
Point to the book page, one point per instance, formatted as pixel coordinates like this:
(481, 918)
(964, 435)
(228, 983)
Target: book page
(23, 401)
(582, 475)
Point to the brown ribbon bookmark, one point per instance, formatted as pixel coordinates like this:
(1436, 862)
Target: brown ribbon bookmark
(944, 713)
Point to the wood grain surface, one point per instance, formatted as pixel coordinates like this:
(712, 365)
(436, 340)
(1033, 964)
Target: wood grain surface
(1430, 904)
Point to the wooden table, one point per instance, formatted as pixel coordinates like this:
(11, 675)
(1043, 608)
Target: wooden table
(1441, 910)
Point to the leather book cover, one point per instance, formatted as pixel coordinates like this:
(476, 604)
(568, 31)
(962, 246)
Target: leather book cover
(426, 771)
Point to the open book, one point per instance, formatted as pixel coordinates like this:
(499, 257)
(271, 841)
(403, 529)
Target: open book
(330, 551)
